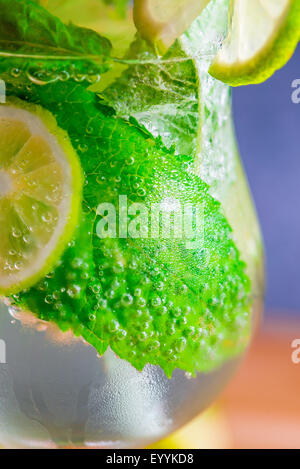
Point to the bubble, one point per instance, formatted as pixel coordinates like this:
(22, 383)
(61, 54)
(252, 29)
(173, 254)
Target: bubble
(132, 265)
(89, 130)
(156, 301)
(142, 336)
(43, 286)
(127, 299)
(110, 293)
(56, 295)
(47, 217)
(48, 299)
(130, 161)
(118, 268)
(141, 192)
(59, 307)
(14, 311)
(63, 75)
(180, 345)
(74, 291)
(121, 334)
(162, 311)
(141, 302)
(26, 239)
(160, 286)
(77, 263)
(102, 303)
(83, 147)
(38, 78)
(15, 72)
(113, 326)
(96, 289)
(79, 77)
(100, 179)
(18, 265)
(16, 232)
(177, 312)
(113, 163)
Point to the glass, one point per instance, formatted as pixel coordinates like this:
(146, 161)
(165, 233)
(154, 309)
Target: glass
(55, 391)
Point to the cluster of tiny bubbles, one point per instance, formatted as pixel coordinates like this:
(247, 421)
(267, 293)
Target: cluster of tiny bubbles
(115, 330)
(54, 195)
(42, 76)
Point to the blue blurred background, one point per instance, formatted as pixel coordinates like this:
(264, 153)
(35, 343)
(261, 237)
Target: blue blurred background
(268, 130)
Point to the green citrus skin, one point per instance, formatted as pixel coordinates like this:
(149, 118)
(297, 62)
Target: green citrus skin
(74, 209)
(151, 300)
(275, 54)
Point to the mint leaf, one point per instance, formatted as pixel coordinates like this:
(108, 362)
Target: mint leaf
(162, 95)
(151, 300)
(33, 43)
(175, 98)
(65, 292)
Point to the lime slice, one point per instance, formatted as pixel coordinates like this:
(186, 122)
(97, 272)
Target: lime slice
(40, 194)
(263, 36)
(162, 22)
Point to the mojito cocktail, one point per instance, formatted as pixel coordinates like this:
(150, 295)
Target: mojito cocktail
(131, 267)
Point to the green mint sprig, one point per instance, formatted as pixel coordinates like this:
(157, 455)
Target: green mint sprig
(151, 300)
(36, 46)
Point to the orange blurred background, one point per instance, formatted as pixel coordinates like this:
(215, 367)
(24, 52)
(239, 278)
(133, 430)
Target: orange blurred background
(261, 407)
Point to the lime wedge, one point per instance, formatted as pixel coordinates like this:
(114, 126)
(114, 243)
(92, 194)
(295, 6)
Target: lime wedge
(40, 194)
(262, 37)
(162, 22)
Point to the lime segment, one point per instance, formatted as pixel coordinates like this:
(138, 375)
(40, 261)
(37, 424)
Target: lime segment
(262, 37)
(162, 22)
(40, 194)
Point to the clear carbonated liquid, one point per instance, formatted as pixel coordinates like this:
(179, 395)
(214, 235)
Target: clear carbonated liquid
(55, 394)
